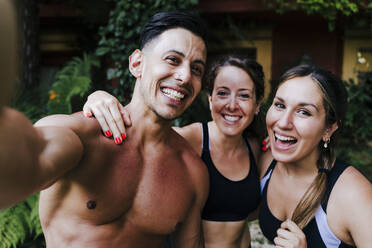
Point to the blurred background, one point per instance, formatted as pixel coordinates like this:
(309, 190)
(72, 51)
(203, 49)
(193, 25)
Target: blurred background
(69, 48)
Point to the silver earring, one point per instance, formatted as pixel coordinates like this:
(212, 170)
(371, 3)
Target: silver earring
(257, 111)
(326, 142)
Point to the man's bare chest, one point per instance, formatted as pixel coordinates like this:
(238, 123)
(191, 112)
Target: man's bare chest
(154, 192)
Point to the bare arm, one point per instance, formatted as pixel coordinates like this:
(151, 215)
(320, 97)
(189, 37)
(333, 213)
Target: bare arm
(35, 158)
(352, 201)
(113, 118)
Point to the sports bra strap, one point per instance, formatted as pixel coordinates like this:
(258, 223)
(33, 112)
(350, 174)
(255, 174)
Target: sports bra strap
(271, 167)
(205, 136)
(337, 169)
(249, 147)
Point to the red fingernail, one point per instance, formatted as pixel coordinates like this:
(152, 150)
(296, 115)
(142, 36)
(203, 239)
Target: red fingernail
(88, 114)
(117, 140)
(264, 148)
(123, 136)
(264, 143)
(108, 133)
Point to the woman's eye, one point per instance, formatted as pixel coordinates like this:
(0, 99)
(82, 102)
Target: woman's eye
(304, 112)
(245, 96)
(222, 93)
(279, 105)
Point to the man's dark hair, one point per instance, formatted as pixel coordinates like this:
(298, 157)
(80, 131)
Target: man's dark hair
(163, 21)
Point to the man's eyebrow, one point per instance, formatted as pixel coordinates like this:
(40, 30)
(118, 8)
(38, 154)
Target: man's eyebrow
(199, 61)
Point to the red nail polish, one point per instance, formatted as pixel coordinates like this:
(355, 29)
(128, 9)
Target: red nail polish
(264, 148)
(108, 133)
(117, 140)
(264, 143)
(123, 136)
(88, 115)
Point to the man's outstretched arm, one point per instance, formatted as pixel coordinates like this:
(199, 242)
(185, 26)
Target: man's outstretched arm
(32, 158)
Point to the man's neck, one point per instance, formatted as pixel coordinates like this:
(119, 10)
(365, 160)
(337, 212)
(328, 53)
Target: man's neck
(149, 126)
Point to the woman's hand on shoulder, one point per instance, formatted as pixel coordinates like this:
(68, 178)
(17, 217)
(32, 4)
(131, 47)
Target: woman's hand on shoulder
(289, 235)
(110, 114)
(265, 144)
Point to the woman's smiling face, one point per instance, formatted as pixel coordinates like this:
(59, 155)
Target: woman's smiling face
(233, 100)
(296, 120)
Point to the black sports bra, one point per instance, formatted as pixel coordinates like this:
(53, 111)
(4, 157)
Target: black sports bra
(318, 233)
(229, 200)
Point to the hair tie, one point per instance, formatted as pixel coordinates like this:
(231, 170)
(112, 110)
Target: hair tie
(323, 170)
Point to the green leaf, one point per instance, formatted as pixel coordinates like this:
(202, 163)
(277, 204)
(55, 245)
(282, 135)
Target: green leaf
(111, 73)
(102, 50)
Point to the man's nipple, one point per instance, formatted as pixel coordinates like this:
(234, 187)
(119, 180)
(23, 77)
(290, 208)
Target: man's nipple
(91, 205)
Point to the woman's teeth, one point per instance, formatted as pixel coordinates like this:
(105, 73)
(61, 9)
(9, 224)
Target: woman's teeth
(231, 118)
(284, 138)
(173, 94)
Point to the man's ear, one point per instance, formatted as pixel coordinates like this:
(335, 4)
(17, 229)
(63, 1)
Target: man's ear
(135, 63)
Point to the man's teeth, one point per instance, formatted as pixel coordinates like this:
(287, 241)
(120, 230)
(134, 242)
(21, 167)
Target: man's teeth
(231, 118)
(173, 94)
(284, 138)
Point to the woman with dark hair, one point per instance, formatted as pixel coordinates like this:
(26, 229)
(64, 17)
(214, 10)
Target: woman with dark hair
(228, 145)
(310, 198)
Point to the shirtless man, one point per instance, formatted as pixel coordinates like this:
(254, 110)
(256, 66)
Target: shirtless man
(154, 184)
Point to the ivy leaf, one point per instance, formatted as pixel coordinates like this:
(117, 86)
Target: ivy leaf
(111, 73)
(102, 50)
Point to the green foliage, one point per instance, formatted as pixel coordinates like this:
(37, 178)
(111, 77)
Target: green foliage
(73, 80)
(32, 102)
(359, 115)
(328, 9)
(20, 223)
(119, 38)
(356, 138)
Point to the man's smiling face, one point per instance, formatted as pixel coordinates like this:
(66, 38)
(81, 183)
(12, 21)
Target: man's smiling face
(172, 68)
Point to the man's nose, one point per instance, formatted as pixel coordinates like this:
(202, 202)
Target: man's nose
(183, 73)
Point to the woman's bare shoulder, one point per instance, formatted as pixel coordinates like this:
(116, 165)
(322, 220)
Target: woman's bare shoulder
(193, 134)
(351, 199)
(264, 162)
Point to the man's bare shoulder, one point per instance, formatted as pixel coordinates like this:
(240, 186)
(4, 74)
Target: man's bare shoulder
(181, 144)
(191, 158)
(193, 134)
(82, 126)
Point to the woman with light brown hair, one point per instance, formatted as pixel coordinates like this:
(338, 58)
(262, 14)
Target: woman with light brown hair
(310, 198)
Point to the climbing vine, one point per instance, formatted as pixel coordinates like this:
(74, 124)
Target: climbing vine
(330, 10)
